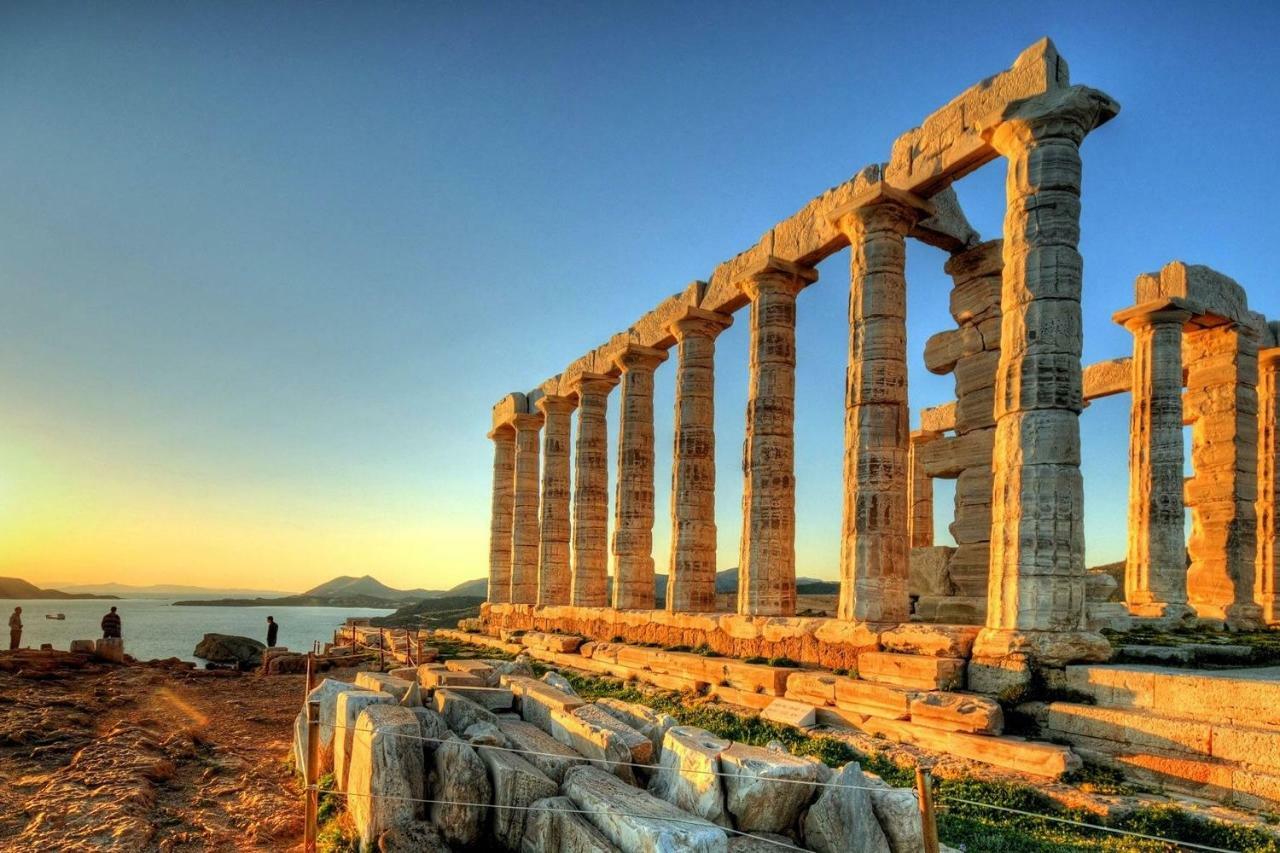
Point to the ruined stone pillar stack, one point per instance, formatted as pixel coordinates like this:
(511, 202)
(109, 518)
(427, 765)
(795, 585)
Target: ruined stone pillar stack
(919, 493)
(1268, 570)
(633, 519)
(524, 510)
(767, 555)
(874, 551)
(1036, 597)
(691, 584)
(1155, 581)
(589, 587)
(504, 461)
(553, 555)
(1222, 404)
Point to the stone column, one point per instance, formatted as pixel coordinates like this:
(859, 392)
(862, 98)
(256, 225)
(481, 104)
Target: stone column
(767, 555)
(553, 553)
(633, 521)
(691, 584)
(875, 554)
(524, 510)
(1268, 570)
(504, 460)
(1036, 600)
(591, 493)
(919, 493)
(1155, 578)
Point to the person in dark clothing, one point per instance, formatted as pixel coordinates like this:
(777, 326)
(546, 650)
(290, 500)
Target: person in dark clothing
(111, 625)
(15, 628)
(273, 629)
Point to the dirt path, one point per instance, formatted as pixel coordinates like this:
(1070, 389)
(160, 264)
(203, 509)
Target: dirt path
(139, 758)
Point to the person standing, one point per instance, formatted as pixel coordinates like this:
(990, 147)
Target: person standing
(273, 631)
(15, 628)
(111, 625)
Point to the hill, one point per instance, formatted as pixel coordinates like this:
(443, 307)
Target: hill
(366, 585)
(162, 590)
(16, 588)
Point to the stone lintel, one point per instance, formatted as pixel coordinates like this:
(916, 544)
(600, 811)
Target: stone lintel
(1108, 378)
(1163, 308)
(924, 436)
(696, 320)
(941, 418)
(512, 404)
(635, 355)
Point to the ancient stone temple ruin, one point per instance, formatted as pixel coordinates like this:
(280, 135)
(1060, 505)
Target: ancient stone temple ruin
(1010, 439)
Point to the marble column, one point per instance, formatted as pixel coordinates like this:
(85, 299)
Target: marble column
(920, 492)
(874, 550)
(767, 555)
(1036, 597)
(524, 510)
(691, 583)
(1155, 578)
(1268, 570)
(591, 493)
(553, 552)
(633, 519)
(504, 460)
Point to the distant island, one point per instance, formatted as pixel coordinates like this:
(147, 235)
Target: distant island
(165, 590)
(347, 591)
(16, 588)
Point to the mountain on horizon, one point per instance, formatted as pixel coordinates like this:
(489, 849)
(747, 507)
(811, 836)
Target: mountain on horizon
(16, 588)
(165, 590)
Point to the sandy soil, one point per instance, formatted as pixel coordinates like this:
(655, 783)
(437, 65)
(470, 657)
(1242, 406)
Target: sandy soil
(141, 758)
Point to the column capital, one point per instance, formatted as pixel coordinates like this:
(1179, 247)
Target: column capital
(880, 206)
(1168, 309)
(525, 421)
(699, 322)
(777, 276)
(550, 404)
(502, 432)
(1069, 113)
(637, 357)
(591, 383)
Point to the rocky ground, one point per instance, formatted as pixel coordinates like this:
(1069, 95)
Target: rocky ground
(144, 758)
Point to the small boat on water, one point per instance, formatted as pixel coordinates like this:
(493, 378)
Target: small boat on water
(55, 616)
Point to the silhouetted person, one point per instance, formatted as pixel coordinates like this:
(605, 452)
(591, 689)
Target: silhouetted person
(111, 625)
(273, 630)
(15, 628)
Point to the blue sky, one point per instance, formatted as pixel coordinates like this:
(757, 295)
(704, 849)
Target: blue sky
(265, 267)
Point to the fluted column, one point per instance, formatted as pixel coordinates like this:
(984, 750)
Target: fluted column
(919, 493)
(1268, 570)
(767, 555)
(1155, 579)
(524, 525)
(691, 584)
(591, 493)
(633, 521)
(504, 460)
(874, 550)
(553, 552)
(1036, 582)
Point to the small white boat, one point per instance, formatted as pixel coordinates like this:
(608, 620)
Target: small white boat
(55, 616)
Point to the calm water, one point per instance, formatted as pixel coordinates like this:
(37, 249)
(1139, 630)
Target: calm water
(155, 629)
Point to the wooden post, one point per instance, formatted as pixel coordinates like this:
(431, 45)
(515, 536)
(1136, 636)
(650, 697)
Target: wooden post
(312, 774)
(417, 639)
(311, 679)
(382, 649)
(353, 638)
(928, 820)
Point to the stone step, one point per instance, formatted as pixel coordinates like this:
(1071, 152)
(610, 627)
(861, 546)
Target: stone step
(1242, 696)
(917, 672)
(1201, 777)
(1162, 733)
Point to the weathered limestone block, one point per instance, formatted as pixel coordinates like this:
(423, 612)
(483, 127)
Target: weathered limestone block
(759, 842)
(601, 745)
(386, 773)
(542, 750)
(591, 492)
(639, 746)
(938, 418)
(559, 682)
(790, 712)
(504, 462)
(554, 824)
(688, 773)
(385, 683)
(652, 724)
(347, 709)
(953, 641)
(842, 818)
(109, 649)
(524, 525)
(459, 783)
(633, 518)
(757, 802)
(912, 671)
(691, 586)
(814, 687)
(489, 698)
(949, 457)
(537, 700)
(1207, 290)
(929, 573)
(516, 784)
(552, 642)
(958, 712)
(326, 693)
(553, 535)
(767, 570)
(638, 822)
(877, 700)
(1107, 378)
(432, 727)
(417, 837)
(430, 679)
(898, 812)
(460, 712)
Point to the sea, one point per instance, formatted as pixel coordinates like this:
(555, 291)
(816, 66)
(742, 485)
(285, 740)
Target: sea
(155, 628)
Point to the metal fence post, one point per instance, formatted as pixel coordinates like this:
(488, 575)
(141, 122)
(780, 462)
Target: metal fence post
(928, 820)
